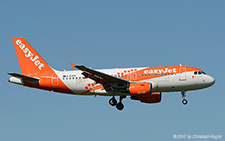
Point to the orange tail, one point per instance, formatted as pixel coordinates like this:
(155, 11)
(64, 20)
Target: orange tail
(30, 61)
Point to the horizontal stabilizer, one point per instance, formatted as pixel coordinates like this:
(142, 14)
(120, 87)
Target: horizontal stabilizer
(24, 77)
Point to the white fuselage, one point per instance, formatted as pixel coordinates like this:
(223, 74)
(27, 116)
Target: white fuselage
(186, 81)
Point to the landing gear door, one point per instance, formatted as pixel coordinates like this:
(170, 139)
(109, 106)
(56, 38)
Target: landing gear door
(182, 74)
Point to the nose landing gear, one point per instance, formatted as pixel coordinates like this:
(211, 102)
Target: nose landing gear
(184, 101)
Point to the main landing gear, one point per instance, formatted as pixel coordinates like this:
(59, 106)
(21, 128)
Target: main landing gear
(184, 101)
(113, 101)
(119, 105)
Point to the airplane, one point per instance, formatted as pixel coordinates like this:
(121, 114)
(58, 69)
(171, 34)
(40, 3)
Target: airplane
(144, 84)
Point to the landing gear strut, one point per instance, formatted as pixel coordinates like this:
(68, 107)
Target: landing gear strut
(184, 101)
(120, 105)
(113, 101)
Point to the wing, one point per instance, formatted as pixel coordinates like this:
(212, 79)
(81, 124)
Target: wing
(103, 78)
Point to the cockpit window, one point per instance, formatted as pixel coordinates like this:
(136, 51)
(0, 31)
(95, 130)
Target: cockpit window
(195, 73)
(199, 72)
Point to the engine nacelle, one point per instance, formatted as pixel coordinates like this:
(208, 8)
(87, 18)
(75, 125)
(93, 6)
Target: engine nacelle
(153, 98)
(137, 89)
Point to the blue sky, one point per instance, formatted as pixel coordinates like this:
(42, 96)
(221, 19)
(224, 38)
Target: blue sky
(113, 34)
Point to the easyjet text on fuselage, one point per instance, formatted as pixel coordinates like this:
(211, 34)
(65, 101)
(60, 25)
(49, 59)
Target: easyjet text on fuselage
(160, 71)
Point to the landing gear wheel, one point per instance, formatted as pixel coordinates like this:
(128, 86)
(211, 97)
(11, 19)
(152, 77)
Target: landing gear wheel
(184, 101)
(120, 106)
(113, 101)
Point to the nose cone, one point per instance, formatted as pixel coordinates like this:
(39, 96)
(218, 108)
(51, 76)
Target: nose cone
(210, 80)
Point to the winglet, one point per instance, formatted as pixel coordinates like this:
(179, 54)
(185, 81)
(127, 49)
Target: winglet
(72, 65)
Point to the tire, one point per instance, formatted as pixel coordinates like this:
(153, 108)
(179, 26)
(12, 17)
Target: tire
(120, 106)
(112, 102)
(184, 101)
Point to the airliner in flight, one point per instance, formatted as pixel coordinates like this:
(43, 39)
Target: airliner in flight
(144, 84)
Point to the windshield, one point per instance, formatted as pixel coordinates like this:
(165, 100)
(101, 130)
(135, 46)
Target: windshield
(199, 72)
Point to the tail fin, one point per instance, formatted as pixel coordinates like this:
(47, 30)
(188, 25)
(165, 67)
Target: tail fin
(30, 61)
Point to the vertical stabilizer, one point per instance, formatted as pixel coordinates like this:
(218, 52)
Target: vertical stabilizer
(29, 60)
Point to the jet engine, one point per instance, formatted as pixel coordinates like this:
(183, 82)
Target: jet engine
(137, 89)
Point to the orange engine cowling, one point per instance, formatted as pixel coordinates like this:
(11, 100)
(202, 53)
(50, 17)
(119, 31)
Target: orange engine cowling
(153, 98)
(143, 88)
